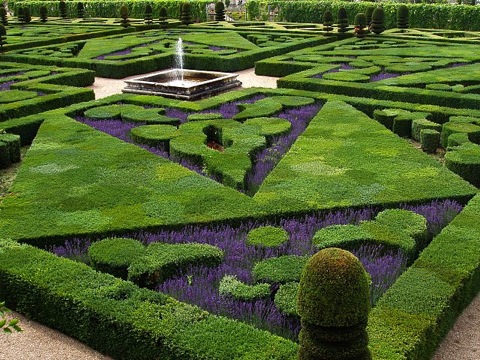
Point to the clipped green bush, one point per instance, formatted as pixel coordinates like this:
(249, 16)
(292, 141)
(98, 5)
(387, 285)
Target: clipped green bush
(282, 269)
(3, 35)
(219, 11)
(186, 14)
(464, 160)
(420, 124)
(162, 261)
(148, 17)
(429, 140)
(267, 237)
(125, 22)
(43, 14)
(80, 10)
(333, 329)
(408, 222)
(327, 21)
(114, 255)
(402, 16)
(62, 6)
(369, 14)
(471, 129)
(360, 23)
(342, 20)
(154, 135)
(457, 139)
(3, 16)
(286, 298)
(13, 143)
(377, 25)
(163, 18)
(231, 286)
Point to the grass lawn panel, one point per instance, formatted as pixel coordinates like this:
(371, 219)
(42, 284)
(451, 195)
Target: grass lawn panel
(75, 180)
(344, 159)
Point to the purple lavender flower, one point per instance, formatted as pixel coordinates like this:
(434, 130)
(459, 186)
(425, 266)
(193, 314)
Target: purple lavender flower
(382, 76)
(6, 85)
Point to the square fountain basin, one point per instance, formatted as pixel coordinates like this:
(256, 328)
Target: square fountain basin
(195, 84)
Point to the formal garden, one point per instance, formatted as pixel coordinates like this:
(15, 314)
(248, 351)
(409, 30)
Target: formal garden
(150, 227)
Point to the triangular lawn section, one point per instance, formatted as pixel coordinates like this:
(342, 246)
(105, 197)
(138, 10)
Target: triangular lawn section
(75, 180)
(345, 159)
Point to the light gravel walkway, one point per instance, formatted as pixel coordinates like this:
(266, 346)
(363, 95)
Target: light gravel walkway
(38, 342)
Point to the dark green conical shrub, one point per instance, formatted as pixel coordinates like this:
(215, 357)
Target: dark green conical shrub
(125, 22)
(333, 303)
(377, 25)
(80, 10)
(43, 14)
(342, 20)
(219, 11)
(368, 14)
(360, 23)
(148, 14)
(163, 18)
(3, 35)
(20, 14)
(3, 16)
(27, 17)
(186, 14)
(62, 7)
(327, 21)
(402, 17)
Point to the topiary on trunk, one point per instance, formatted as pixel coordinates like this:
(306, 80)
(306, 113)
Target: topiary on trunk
(186, 14)
(125, 22)
(80, 10)
(360, 23)
(402, 17)
(62, 6)
(163, 18)
(368, 14)
(3, 16)
(148, 14)
(377, 25)
(219, 11)
(333, 303)
(342, 20)
(327, 21)
(43, 14)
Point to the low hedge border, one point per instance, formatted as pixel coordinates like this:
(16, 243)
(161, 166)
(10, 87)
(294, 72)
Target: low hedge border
(119, 319)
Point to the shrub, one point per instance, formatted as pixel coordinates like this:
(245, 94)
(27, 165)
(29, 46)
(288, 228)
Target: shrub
(402, 16)
(333, 329)
(163, 18)
(20, 14)
(429, 140)
(114, 255)
(148, 14)
(62, 6)
(125, 22)
(471, 129)
(342, 20)
(368, 14)
(219, 11)
(420, 124)
(377, 25)
(3, 16)
(281, 269)
(13, 144)
(286, 298)
(327, 21)
(267, 236)
(186, 14)
(3, 35)
(360, 23)
(408, 222)
(231, 286)
(80, 10)
(43, 14)
(27, 17)
(464, 160)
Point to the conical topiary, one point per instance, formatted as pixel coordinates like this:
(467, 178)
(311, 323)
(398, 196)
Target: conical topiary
(342, 20)
(368, 14)
(186, 14)
(3, 16)
(20, 14)
(377, 25)
(62, 7)
(27, 17)
(125, 22)
(402, 17)
(333, 303)
(360, 23)
(148, 14)
(327, 21)
(3, 35)
(80, 10)
(163, 18)
(43, 14)
(219, 11)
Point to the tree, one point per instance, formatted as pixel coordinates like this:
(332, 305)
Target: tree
(377, 25)
(368, 14)
(402, 17)
(163, 18)
(3, 16)
(219, 11)
(27, 17)
(148, 14)
(360, 23)
(186, 14)
(80, 10)
(327, 21)
(342, 20)
(62, 6)
(125, 22)
(43, 14)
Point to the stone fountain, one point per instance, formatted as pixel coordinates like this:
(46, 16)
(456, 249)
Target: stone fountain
(182, 83)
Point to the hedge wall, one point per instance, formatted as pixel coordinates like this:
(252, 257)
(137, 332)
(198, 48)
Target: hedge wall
(443, 16)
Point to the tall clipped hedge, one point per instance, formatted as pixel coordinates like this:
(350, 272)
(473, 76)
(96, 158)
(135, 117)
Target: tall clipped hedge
(111, 8)
(443, 16)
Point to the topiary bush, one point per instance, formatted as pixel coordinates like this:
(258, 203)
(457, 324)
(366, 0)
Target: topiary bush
(43, 14)
(148, 14)
(464, 160)
(368, 14)
(267, 236)
(219, 11)
(430, 140)
(327, 21)
(62, 7)
(125, 22)
(27, 17)
(420, 124)
(20, 17)
(80, 10)
(333, 304)
(402, 16)
(377, 25)
(360, 23)
(342, 20)
(186, 14)
(231, 286)
(3, 35)
(163, 18)
(114, 255)
(3, 16)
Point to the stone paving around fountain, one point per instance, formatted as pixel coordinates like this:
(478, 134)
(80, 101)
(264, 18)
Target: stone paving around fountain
(104, 87)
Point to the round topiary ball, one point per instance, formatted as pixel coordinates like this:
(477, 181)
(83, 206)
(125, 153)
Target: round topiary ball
(334, 290)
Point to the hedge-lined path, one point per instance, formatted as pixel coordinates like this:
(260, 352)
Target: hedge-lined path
(104, 87)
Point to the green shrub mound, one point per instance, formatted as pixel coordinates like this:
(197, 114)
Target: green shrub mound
(464, 160)
(286, 298)
(270, 126)
(452, 127)
(231, 286)
(439, 87)
(203, 117)
(282, 269)
(429, 140)
(408, 222)
(114, 255)
(148, 116)
(333, 274)
(10, 96)
(108, 112)
(398, 120)
(10, 149)
(262, 108)
(267, 237)
(162, 261)
(457, 139)
(421, 124)
(350, 237)
(154, 135)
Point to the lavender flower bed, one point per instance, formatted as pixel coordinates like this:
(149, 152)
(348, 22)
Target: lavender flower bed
(6, 85)
(199, 285)
(264, 161)
(343, 66)
(382, 76)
